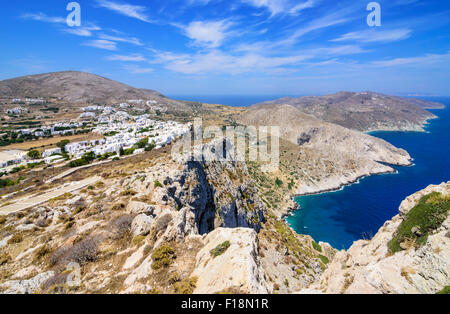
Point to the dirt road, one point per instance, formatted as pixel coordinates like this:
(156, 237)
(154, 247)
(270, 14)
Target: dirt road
(34, 200)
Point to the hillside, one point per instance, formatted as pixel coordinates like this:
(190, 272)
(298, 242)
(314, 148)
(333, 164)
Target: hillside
(324, 156)
(79, 88)
(364, 111)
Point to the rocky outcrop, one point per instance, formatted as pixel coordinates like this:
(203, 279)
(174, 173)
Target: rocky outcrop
(236, 269)
(29, 286)
(369, 267)
(220, 193)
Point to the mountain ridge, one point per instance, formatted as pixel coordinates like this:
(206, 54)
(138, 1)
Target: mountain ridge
(76, 87)
(367, 111)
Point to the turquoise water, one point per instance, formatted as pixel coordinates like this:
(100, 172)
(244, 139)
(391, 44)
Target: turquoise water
(359, 210)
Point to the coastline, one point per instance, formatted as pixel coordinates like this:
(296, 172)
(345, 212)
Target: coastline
(289, 211)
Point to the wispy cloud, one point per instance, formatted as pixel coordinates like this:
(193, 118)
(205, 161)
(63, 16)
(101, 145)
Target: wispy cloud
(282, 6)
(123, 38)
(218, 62)
(134, 69)
(420, 60)
(128, 58)
(84, 31)
(42, 17)
(101, 44)
(373, 35)
(130, 10)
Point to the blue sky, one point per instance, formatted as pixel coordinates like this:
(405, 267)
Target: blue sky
(292, 47)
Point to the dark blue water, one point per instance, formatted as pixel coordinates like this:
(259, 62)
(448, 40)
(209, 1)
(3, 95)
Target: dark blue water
(359, 210)
(229, 100)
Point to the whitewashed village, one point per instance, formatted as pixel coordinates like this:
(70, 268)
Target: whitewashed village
(120, 133)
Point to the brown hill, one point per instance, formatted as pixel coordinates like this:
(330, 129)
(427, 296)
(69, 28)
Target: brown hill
(80, 88)
(364, 111)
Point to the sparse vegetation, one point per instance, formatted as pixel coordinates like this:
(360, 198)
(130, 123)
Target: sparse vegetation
(316, 246)
(278, 182)
(163, 257)
(4, 258)
(138, 240)
(17, 238)
(41, 253)
(324, 259)
(121, 226)
(186, 286)
(427, 216)
(220, 249)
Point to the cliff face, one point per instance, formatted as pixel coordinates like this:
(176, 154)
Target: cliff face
(372, 267)
(168, 227)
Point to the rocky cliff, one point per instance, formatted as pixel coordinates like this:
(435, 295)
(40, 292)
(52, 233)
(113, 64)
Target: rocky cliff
(419, 264)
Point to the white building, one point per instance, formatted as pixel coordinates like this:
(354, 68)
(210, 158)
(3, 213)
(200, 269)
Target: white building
(51, 151)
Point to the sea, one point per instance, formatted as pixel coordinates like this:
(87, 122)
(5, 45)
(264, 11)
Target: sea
(359, 210)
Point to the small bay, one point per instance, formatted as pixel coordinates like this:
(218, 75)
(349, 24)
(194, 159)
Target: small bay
(359, 210)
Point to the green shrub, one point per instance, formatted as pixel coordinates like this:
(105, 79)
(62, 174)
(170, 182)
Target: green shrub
(316, 246)
(278, 182)
(163, 257)
(158, 184)
(446, 290)
(186, 286)
(220, 249)
(34, 154)
(427, 216)
(138, 240)
(324, 259)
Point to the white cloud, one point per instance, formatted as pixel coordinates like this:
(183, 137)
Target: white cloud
(133, 11)
(101, 44)
(134, 69)
(282, 6)
(208, 33)
(129, 58)
(44, 18)
(84, 31)
(124, 39)
(370, 36)
(421, 60)
(218, 62)
(302, 6)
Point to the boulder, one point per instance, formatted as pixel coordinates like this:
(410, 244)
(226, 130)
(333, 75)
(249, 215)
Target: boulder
(136, 208)
(141, 225)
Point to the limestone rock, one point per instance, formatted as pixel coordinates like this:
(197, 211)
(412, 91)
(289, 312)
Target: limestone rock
(27, 286)
(136, 208)
(238, 267)
(141, 225)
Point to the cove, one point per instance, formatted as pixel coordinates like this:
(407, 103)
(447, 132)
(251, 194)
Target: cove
(359, 210)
